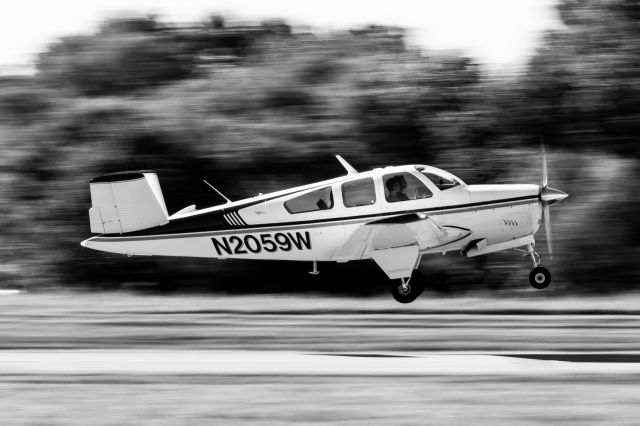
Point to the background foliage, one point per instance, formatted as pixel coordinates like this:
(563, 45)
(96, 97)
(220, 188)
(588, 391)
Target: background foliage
(256, 108)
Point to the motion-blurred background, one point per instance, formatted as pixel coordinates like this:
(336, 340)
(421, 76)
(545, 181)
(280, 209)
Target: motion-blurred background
(260, 106)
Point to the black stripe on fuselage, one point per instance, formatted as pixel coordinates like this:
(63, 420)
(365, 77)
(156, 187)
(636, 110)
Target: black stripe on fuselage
(237, 216)
(208, 222)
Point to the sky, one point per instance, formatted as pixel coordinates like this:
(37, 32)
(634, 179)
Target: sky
(502, 34)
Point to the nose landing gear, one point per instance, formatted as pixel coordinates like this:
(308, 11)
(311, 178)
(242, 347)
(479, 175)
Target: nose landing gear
(539, 277)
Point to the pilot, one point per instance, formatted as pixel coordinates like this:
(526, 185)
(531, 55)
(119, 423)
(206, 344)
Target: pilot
(396, 186)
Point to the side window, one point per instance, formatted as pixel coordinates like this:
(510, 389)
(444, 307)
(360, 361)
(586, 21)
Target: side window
(359, 192)
(404, 187)
(320, 199)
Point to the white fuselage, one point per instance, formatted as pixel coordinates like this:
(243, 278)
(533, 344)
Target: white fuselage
(263, 227)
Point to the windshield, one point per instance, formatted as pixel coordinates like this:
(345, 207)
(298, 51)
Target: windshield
(442, 182)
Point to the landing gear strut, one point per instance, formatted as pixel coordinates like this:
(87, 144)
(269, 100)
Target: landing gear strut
(406, 290)
(539, 277)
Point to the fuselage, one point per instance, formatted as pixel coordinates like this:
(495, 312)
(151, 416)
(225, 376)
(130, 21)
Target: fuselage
(312, 222)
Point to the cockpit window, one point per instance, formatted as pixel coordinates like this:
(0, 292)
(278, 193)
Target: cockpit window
(404, 187)
(443, 183)
(320, 199)
(359, 192)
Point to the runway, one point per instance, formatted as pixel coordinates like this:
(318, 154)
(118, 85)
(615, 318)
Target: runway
(104, 359)
(265, 363)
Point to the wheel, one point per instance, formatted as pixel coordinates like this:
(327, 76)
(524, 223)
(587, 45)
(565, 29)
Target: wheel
(414, 288)
(540, 277)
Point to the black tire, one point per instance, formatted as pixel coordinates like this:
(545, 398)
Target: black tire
(540, 277)
(414, 288)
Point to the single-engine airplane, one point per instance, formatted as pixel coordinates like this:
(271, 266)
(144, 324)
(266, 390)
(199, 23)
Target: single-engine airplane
(392, 215)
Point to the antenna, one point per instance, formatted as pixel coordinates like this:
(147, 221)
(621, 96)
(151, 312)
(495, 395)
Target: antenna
(350, 169)
(219, 193)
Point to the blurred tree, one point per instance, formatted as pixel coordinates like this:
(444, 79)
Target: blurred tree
(276, 27)
(216, 21)
(582, 86)
(256, 108)
(133, 24)
(129, 54)
(111, 63)
(21, 105)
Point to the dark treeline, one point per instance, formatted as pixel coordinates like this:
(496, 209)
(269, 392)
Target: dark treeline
(261, 107)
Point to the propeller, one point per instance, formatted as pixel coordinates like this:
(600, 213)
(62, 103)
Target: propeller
(548, 196)
(545, 178)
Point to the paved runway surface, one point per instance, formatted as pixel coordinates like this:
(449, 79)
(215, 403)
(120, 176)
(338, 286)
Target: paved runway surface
(120, 359)
(292, 363)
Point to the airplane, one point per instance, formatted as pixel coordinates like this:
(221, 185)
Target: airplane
(392, 215)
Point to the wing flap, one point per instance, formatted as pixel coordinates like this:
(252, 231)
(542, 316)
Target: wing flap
(399, 231)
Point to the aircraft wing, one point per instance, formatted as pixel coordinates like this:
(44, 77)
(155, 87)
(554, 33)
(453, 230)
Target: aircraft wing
(395, 243)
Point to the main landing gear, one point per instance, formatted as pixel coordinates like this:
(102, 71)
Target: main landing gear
(406, 290)
(539, 277)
